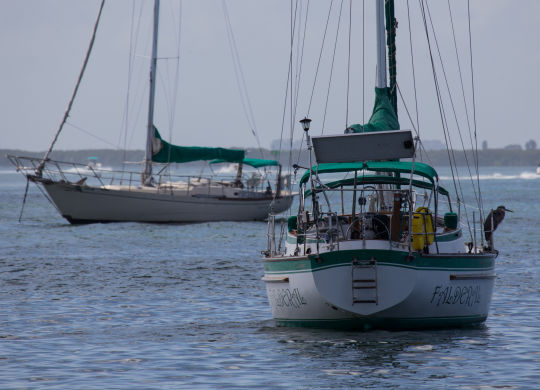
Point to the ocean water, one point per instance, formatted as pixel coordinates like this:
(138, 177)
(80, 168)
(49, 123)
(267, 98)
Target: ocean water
(145, 306)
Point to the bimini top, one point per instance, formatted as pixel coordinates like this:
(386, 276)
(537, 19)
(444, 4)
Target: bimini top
(377, 179)
(252, 162)
(420, 169)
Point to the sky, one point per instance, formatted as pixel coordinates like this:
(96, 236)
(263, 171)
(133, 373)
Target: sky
(43, 44)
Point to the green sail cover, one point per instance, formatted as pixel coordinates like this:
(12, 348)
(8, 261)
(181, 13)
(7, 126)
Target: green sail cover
(384, 116)
(164, 152)
(252, 162)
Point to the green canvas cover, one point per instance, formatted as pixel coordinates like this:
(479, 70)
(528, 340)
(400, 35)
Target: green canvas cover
(378, 179)
(420, 169)
(384, 116)
(164, 152)
(252, 162)
(391, 25)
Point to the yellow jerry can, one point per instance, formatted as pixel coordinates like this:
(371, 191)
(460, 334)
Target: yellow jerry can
(422, 228)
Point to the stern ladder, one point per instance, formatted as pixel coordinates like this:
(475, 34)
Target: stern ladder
(364, 281)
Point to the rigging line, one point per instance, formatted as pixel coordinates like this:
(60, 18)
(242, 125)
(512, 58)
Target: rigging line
(289, 82)
(139, 111)
(481, 205)
(293, 104)
(300, 55)
(426, 30)
(413, 72)
(236, 72)
(176, 83)
(448, 140)
(39, 169)
(174, 92)
(128, 90)
(167, 97)
(46, 196)
(24, 198)
(142, 83)
(294, 76)
(459, 70)
(238, 66)
(474, 152)
(422, 148)
(320, 56)
(348, 67)
(240, 79)
(299, 80)
(286, 94)
(451, 154)
(303, 136)
(299, 152)
(363, 61)
(297, 62)
(286, 99)
(92, 135)
(134, 34)
(332, 67)
(452, 103)
(407, 110)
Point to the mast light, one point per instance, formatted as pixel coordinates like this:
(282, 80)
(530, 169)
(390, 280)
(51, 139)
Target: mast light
(305, 123)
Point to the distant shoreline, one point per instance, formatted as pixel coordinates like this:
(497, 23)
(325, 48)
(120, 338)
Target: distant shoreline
(111, 157)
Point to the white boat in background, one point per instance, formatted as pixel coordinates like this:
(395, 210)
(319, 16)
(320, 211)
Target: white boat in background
(85, 193)
(538, 169)
(377, 241)
(93, 163)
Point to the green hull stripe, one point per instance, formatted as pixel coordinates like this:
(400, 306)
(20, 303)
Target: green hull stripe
(384, 323)
(383, 257)
(286, 271)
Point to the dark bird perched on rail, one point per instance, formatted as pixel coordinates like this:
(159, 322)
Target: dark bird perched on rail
(495, 216)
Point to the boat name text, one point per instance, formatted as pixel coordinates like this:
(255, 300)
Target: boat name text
(456, 295)
(285, 297)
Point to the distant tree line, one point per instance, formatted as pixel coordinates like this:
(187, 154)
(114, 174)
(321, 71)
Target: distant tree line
(114, 158)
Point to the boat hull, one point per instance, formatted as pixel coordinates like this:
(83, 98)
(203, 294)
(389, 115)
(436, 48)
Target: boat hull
(416, 291)
(86, 204)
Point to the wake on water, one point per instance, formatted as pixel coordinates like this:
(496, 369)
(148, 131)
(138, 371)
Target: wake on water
(498, 176)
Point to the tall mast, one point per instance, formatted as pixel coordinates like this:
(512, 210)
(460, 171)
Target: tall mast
(150, 129)
(381, 46)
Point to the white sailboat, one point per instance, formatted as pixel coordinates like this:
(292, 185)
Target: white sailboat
(374, 245)
(84, 194)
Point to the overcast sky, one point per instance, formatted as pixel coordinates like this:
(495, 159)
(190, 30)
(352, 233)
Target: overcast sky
(43, 43)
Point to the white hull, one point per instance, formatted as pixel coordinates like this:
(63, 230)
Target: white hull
(84, 204)
(403, 296)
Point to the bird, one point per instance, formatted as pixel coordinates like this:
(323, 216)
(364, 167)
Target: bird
(496, 217)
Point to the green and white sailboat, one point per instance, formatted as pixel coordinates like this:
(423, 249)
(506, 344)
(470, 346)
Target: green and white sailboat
(87, 194)
(376, 241)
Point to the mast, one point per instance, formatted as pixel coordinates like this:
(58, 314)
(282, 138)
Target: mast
(381, 46)
(147, 175)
